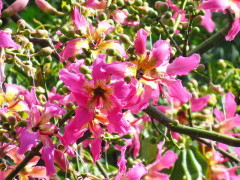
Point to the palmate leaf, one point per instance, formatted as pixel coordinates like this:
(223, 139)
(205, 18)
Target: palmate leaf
(191, 165)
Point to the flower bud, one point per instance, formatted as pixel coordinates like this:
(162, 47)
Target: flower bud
(127, 136)
(88, 61)
(22, 123)
(70, 106)
(65, 89)
(162, 6)
(138, 2)
(120, 142)
(112, 7)
(152, 13)
(102, 16)
(88, 76)
(14, 8)
(61, 160)
(45, 51)
(40, 33)
(11, 120)
(200, 68)
(111, 52)
(125, 39)
(21, 24)
(120, 2)
(84, 69)
(47, 8)
(167, 15)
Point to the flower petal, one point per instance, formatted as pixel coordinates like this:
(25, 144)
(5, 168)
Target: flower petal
(197, 104)
(235, 29)
(140, 42)
(136, 172)
(74, 130)
(230, 105)
(176, 90)
(183, 65)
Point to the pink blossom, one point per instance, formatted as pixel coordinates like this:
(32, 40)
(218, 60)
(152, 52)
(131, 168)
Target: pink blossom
(121, 17)
(197, 104)
(46, 7)
(6, 40)
(222, 5)
(154, 72)
(161, 162)
(207, 21)
(99, 102)
(14, 8)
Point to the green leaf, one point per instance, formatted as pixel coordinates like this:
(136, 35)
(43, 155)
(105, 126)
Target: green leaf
(191, 165)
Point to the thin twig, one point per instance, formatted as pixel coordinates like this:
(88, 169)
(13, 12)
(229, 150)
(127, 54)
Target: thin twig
(170, 37)
(101, 168)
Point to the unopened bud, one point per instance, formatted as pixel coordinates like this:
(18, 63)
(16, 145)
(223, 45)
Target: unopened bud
(120, 142)
(167, 15)
(41, 33)
(47, 8)
(14, 8)
(152, 13)
(102, 17)
(127, 136)
(46, 51)
(70, 106)
(61, 160)
(4, 117)
(120, 2)
(11, 120)
(162, 6)
(22, 123)
(125, 39)
(88, 61)
(84, 69)
(21, 24)
(138, 2)
(65, 89)
(111, 52)
(200, 68)
(88, 76)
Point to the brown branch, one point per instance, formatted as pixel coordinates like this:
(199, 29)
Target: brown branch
(191, 131)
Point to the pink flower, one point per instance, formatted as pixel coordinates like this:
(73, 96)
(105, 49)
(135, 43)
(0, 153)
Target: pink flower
(30, 170)
(161, 162)
(154, 72)
(230, 119)
(6, 40)
(207, 21)
(99, 101)
(14, 8)
(197, 104)
(222, 5)
(94, 41)
(135, 173)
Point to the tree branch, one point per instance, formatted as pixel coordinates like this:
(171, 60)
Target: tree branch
(193, 132)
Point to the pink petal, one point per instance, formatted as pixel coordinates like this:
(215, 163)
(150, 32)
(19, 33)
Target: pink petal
(96, 149)
(218, 114)
(136, 172)
(161, 51)
(38, 172)
(96, 4)
(72, 48)
(207, 21)
(183, 65)
(230, 105)
(122, 18)
(6, 40)
(1, 6)
(27, 141)
(176, 90)
(48, 157)
(79, 20)
(61, 159)
(234, 30)
(72, 80)
(74, 130)
(215, 5)
(140, 42)
(197, 104)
